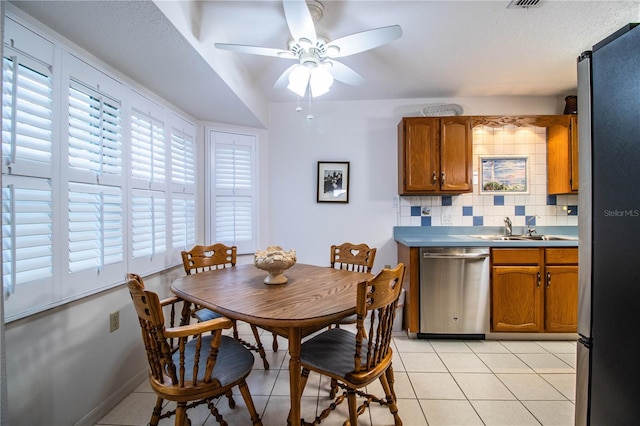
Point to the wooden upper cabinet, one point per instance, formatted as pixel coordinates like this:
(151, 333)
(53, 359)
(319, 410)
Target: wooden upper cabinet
(562, 156)
(417, 155)
(456, 161)
(434, 155)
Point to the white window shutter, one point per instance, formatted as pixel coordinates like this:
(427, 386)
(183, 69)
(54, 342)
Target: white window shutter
(183, 216)
(27, 109)
(183, 188)
(234, 188)
(27, 167)
(183, 162)
(95, 135)
(148, 151)
(27, 232)
(149, 224)
(96, 235)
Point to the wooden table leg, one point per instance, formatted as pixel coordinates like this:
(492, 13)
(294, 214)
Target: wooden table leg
(295, 340)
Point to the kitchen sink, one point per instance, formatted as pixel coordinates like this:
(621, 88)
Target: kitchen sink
(534, 237)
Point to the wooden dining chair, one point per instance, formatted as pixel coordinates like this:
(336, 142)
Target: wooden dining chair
(356, 360)
(191, 364)
(217, 256)
(348, 257)
(352, 257)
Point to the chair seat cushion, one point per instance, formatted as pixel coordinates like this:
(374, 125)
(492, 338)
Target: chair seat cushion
(205, 314)
(234, 361)
(332, 351)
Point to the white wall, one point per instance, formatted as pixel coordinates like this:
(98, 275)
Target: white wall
(365, 134)
(63, 365)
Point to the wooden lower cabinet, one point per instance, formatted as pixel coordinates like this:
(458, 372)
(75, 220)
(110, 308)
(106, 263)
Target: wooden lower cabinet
(534, 290)
(410, 256)
(561, 290)
(516, 299)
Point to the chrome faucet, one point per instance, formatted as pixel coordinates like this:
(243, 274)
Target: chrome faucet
(531, 230)
(508, 228)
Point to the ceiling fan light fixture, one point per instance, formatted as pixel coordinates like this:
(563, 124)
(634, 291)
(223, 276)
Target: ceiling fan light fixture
(299, 79)
(320, 81)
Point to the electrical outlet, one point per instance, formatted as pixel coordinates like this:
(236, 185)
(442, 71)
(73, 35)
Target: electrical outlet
(387, 266)
(114, 321)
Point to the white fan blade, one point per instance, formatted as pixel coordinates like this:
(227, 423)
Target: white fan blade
(345, 74)
(283, 80)
(299, 20)
(256, 50)
(365, 40)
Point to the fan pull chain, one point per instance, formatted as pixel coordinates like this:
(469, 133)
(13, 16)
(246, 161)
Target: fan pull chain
(309, 115)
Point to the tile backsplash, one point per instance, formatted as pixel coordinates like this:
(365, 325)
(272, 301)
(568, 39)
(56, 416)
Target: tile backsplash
(476, 209)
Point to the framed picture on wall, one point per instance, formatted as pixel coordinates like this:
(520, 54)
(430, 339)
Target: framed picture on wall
(504, 174)
(333, 182)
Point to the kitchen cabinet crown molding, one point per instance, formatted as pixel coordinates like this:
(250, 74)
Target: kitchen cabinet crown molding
(520, 120)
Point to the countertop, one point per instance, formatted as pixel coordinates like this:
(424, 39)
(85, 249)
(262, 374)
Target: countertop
(462, 236)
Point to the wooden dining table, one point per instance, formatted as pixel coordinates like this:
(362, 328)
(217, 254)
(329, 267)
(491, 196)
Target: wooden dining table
(313, 298)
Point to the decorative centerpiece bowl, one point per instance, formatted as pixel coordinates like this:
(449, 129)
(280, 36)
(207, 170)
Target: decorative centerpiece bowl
(275, 261)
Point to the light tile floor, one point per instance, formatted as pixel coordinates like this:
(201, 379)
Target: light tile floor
(437, 382)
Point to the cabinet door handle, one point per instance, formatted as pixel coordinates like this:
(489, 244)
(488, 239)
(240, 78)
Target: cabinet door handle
(442, 178)
(434, 177)
(548, 279)
(538, 279)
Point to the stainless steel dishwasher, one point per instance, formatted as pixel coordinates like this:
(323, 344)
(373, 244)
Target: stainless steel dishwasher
(454, 292)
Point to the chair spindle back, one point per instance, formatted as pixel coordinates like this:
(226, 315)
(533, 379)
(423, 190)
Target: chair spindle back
(376, 305)
(353, 257)
(206, 258)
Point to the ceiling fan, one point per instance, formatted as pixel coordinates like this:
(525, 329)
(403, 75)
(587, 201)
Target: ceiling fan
(317, 67)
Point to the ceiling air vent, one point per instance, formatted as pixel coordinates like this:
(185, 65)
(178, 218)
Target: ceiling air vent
(523, 4)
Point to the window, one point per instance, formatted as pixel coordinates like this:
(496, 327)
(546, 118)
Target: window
(96, 237)
(27, 167)
(149, 224)
(95, 133)
(149, 236)
(93, 180)
(27, 244)
(183, 213)
(183, 173)
(233, 183)
(183, 179)
(148, 151)
(96, 178)
(27, 115)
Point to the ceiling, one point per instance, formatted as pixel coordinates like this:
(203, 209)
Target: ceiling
(448, 48)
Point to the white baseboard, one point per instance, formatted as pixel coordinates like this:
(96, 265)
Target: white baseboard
(95, 415)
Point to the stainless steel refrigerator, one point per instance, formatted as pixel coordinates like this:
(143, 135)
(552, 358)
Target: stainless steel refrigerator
(608, 359)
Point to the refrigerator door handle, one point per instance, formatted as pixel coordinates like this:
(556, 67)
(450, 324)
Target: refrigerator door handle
(587, 342)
